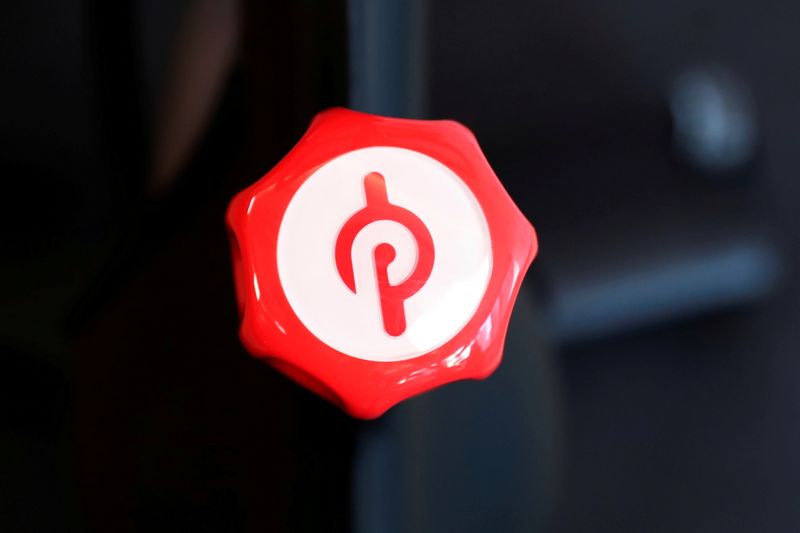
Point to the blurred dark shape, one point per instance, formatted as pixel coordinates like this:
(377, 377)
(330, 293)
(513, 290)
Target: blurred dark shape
(388, 57)
(663, 286)
(200, 65)
(714, 117)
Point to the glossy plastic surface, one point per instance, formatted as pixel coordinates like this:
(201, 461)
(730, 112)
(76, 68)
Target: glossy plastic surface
(379, 259)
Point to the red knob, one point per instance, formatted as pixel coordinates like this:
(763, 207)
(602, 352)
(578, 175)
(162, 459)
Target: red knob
(379, 259)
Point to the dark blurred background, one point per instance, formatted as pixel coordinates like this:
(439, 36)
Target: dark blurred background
(650, 378)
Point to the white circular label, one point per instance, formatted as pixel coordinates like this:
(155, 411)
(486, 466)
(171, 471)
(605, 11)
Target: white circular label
(384, 254)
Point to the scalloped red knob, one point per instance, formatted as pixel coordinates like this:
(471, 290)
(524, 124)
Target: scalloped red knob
(379, 259)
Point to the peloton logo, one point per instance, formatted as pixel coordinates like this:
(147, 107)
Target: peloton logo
(391, 296)
(384, 254)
